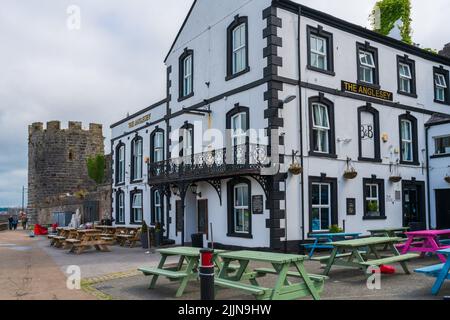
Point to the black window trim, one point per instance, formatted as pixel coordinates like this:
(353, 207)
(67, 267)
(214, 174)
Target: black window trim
(331, 137)
(186, 53)
(376, 123)
(413, 120)
(152, 143)
(445, 73)
(117, 221)
(381, 198)
(412, 65)
(187, 125)
(328, 36)
(367, 47)
(132, 193)
(236, 23)
(152, 206)
(133, 179)
(333, 182)
(116, 167)
(230, 206)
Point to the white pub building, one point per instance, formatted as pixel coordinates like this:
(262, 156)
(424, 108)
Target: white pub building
(342, 110)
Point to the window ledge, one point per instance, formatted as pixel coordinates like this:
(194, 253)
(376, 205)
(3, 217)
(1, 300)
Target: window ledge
(136, 181)
(327, 72)
(376, 160)
(442, 102)
(437, 156)
(322, 155)
(410, 163)
(238, 235)
(135, 223)
(412, 95)
(375, 218)
(371, 85)
(186, 97)
(120, 184)
(232, 76)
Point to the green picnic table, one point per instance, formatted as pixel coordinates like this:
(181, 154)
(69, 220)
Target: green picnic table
(388, 232)
(185, 271)
(284, 289)
(363, 253)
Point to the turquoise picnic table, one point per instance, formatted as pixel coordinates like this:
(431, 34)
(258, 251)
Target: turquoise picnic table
(439, 271)
(363, 253)
(184, 271)
(323, 240)
(280, 265)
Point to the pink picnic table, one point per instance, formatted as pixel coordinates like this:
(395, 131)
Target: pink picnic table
(426, 241)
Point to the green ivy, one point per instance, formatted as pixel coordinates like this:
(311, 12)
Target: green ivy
(390, 12)
(96, 168)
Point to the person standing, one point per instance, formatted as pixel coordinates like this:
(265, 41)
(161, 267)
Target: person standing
(10, 222)
(14, 223)
(24, 221)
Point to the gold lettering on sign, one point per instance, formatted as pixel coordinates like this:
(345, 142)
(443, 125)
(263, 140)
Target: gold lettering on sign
(367, 91)
(139, 121)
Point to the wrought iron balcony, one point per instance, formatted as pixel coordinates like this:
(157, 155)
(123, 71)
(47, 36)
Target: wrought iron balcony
(222, 163)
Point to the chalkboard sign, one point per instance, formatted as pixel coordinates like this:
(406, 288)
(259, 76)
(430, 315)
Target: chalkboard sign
(351, 207)
(258, 204)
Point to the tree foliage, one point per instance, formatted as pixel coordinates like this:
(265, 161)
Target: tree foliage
(96, 168)
(390, 12)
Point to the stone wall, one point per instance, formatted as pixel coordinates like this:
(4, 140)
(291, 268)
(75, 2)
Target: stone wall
(57, 163)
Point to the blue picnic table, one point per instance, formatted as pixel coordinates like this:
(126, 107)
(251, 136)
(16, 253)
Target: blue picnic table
(323, 240)
(438, 271)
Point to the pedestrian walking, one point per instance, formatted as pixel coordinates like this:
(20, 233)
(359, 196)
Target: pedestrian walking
(14, 223)
(10, 222)
(24, 221)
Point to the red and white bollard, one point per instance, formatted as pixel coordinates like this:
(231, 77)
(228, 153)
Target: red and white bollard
(206, 274)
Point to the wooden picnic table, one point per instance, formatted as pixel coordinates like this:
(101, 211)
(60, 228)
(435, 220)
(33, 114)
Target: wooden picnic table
(359, 254)
(426, 241)
(184, 271)
(439, 271)
(111, 230)
(388, 232)
(310, 285)
(85, 240)
(322, 240)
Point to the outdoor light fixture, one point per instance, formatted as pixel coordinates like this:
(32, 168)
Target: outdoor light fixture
(194, 189)
(286, 101)
(175, 190)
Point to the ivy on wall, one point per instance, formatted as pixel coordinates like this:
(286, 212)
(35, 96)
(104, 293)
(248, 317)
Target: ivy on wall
(96, 168)
(391, 11)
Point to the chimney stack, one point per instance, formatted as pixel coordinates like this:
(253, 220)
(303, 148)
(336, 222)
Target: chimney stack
(446, 51)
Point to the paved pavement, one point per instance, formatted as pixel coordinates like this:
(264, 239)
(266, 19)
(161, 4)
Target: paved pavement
(31, 269)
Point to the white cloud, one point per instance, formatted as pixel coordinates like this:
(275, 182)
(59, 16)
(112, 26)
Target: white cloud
(113, 65)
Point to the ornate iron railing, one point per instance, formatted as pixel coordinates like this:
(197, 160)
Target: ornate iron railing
(246, 157)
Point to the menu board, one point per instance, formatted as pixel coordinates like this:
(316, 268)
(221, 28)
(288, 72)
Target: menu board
(258, 204)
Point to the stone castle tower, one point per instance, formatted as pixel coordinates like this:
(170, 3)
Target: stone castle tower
(57, 161)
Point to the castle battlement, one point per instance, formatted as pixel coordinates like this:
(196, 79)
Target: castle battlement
(55, 126)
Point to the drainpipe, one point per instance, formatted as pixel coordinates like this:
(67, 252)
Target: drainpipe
(302, 192)
(428, 177)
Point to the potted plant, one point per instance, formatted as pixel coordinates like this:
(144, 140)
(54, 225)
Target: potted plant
(350, 173)
(372, 208)
(447, 179)
(159, 232)
(336, 229)
(144, 236)
(295, 168)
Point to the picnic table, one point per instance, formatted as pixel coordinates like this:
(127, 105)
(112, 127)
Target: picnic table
(230, 277)
(388, 232)
(426, 241)
(438, 271)
(322, 240)
(184, 271)
(87, 239)
(363, 253)
(62, 234)
(109, 230)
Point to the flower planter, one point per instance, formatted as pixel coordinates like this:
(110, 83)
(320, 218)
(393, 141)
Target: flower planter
(295, 169)
(350, 175)
(447, 179)
(395, 179)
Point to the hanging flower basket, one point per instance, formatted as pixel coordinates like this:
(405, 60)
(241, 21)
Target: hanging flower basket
(395, 179)
(350, 174)
(447, 179)
(295, 169)
(147, 160)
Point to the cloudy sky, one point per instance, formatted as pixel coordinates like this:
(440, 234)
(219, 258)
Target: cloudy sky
(113, 64)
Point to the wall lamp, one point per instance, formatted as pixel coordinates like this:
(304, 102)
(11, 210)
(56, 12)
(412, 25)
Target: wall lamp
(281, 103)
(194, 189)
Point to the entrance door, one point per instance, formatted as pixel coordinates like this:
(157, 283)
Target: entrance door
(202, 217)
(90, 211)
(414, 205)
(443, 209)
(179, 216)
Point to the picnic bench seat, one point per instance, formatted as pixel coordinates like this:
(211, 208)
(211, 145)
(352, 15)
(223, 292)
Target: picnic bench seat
(254, 290)
(394, 259)
(341, 255)
(432, 271)
(73, 241)
(314, 277)
(163, 272)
